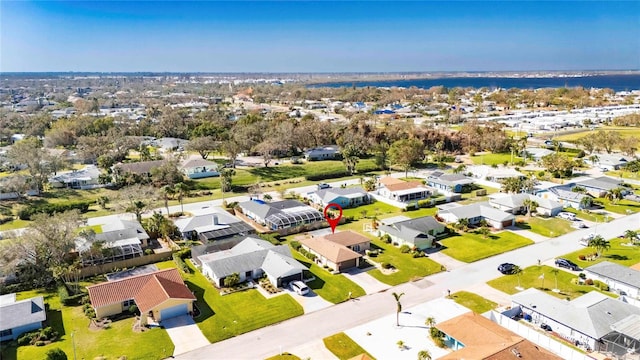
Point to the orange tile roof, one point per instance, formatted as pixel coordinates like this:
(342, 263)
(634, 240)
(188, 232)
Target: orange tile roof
(362, 357)
(333, 252)
(397, 185)
(388, 180)
(636, 266)
(484, 339)
(148, 290)
(347, 238)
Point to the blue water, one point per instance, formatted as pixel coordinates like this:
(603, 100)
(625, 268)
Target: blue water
(615, 82)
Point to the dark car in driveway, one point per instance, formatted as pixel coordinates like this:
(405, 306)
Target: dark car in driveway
(560, 262)
(507, 268)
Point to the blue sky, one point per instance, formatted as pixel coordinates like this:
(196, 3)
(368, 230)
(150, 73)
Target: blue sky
(349, 36)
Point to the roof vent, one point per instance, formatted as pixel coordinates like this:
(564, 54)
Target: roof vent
(516, 353)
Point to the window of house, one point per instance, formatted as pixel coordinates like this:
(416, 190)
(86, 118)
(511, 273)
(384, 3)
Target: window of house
(128, 303)
(4, 333)
(356, 248)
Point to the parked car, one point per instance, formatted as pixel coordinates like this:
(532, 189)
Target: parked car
(583, 242)
(567, 216)
(579, 225)
(299, 287)
(560, 262)
(545, 327)
(507, 268)
(323, 186)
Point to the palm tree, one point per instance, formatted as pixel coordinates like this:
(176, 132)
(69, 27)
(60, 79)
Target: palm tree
(555, 275)
(462, 224)
(484, 231)
(424, 355)
(460, 169)
(400, 344)
(430, 321)
(517, 270)
(181, 190)
(154, 224)
(586, 202)
(530, 205)
(397, 297)
(167, 192)
(614, 195)
(600, 244)
(631, 235)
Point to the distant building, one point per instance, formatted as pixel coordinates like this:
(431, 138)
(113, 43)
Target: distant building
(474, 213)
(403, 191)
(200, 168)
(329, 152)
(83, 179)
(212, 225)
(345, 197)
(451, 183)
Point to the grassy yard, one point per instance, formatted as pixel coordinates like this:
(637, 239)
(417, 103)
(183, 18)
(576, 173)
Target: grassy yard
(621, 207)
(333, 288)
(549, 227)
(530, 277)
(343, 346)
(284, 356)
(378, 208)
(226, 316)
(473, 302)
(494, 159)
(623, 131)
(470, 247)
(152, 344)
(589, 216)
(624, 174)
(619, 253)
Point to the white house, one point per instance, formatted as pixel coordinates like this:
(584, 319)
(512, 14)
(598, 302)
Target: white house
(403, 191)
(329, 152)
(85, 178)
(474, 213)
(345, 197)
(514, 204)
(620, 278)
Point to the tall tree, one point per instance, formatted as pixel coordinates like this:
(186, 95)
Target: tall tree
(397, 297)
(30, 153)
(136, 199)
(182, 190)
(226, 179)
(406, 153)
(600, 244)
(351, 156)
(203, 145)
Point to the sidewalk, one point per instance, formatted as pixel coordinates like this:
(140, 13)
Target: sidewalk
(486, 291)
(446, 260)
(536, 238)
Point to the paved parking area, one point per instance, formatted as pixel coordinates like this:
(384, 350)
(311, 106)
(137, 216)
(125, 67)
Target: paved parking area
(310, 302)
(184, 334)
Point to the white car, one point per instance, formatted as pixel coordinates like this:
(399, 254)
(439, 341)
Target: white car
(579, 225)
(567, 215)
(299, 287)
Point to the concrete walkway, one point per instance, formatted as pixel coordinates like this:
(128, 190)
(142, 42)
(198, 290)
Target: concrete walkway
(488, 292)
(536, 238)
(184, 334)
(446, 260)
(314, 349)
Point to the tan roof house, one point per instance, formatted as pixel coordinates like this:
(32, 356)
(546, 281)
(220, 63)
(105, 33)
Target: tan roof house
(159, 295)
(472, 336)
(339, 251)
(403, 191)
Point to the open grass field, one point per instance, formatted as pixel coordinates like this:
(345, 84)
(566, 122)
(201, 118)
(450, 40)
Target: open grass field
(343, 346)
(333, 288)
(119, 340)
(226, 316)
(621, 207)
(618, 253)
(531, 277)
(473, 302)
(549, 227)
(284, 356)
(470, 247)
(494, 159)
(408, 268)
(623, 131)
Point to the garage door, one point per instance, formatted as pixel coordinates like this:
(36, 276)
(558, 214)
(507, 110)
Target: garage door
(347, 264)
(174, 311)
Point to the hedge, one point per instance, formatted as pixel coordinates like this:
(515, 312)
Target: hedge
(69, 300)
(179, 257)
(27, 212)
(340, 173)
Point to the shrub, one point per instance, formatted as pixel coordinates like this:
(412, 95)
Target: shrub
(582, 276)
(395, 243)
(588, 282)
(90, 313)
(179, 256)
(330, 269)
(133, 309)
(311, 256)
(418, 254)
(27, 212)
(600, 285)
(296, 245)
(582, 257)
(424, 203)
(439, 342)
(386, 265)
(39, 343)
(386, 238)
(25, 339)
(148, 252)
(68, 299)
(56, 354)
(405, 249)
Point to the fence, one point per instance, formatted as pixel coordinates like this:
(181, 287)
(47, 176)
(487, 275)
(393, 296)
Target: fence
(127, 263)
(538, 338)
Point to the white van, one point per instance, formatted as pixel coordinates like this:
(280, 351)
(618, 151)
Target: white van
(299, 287)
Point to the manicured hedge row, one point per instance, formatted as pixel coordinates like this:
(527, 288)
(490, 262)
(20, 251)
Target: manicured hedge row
(26, 213)
(339, 173)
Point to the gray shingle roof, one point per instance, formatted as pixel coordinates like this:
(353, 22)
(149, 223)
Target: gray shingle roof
(616, 272)
(22, 312)
(327, 195)
(629, 326)
(517, 200)
(565, 193)
(602, 183)
(438, 177)
(592, 314)
(478, 209)
(411, 229)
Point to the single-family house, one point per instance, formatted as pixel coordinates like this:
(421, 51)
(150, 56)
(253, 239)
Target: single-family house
(280, 214)
(119, 240)
(608, 162)
(620, 278)
(403, 191)
(329, 152)
(251, 259)
(159, 295)
(515, 204)
(589, 320)
(451, 183)
(473, 336)
(14, 186)
(19, 317)
(598, 187)
(212, 224)
(563, 195)
(345, 197)
(339, 251)
(419, 232)
(474, 213)
(490, 173)
(536, 153)
(200, 168)
(85, 178)
(171, 144)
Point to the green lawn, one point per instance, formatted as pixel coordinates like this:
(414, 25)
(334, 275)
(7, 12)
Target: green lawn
(470, 247)
(284, 356)
(473, 302)
(624, 174)
(343, 346)
(152, 344)
(380, 208)
(494, 159)
(549, 227)
(530, 277)
(621, 254)
(226, 316)
(623, 131)
(589, 216)
(621, 207)
(333, 288)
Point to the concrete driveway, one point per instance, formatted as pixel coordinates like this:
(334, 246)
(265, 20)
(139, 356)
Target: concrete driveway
(310, 302)
(367, 282)
(184, 334)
